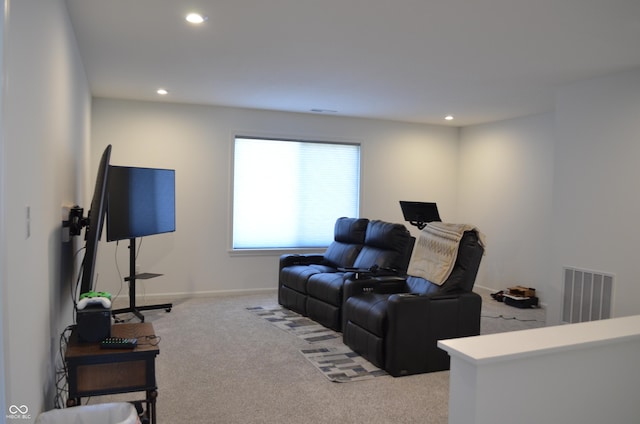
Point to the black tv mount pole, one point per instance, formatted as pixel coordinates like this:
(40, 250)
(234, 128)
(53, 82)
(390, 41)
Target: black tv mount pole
(132, 288)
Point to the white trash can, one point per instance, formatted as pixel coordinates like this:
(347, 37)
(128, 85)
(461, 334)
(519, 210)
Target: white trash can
(101, 413)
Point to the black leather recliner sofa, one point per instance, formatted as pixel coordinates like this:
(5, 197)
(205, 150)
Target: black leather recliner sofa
(312, 284)
(395, 322)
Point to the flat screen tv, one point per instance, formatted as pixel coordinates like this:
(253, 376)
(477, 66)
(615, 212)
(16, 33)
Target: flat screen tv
(95, 222)
(141, 202)
(419, 213)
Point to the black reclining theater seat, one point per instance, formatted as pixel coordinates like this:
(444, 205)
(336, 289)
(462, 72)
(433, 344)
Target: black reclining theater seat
(312, 284)
(295, 270)
(395, 322)
(386, 250)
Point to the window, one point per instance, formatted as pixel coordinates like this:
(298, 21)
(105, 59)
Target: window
(288, 194)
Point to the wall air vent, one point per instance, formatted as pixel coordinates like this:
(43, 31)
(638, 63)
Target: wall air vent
(587, 295)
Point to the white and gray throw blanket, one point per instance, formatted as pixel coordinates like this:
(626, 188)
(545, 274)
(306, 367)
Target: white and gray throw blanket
(435, 251)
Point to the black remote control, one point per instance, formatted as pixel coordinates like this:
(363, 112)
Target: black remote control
(118, 343)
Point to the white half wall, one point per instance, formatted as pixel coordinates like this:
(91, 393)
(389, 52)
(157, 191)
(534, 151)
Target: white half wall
(506, 187)
(399, 162)
(571, 374)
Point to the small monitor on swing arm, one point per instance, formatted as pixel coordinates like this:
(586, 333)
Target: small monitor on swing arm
(419, 213)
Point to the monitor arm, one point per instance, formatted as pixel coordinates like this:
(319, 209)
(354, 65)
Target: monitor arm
(76, 221)
(418, 224)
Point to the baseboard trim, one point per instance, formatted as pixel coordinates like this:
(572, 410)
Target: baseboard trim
(484, 290)
(123, 301)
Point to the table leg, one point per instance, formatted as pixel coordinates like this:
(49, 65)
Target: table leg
(151, 405)
(71, 402)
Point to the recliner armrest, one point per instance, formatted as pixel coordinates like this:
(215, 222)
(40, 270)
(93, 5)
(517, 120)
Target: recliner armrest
(416, 323)
(368, 273)
(298, 259)
(386, 284)
(391, 284)
(447, 315)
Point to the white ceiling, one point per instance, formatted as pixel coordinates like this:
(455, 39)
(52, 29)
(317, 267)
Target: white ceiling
(407, 60)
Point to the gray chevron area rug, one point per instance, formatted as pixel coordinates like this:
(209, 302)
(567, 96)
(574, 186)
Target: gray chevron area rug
(295, 324)
(335, 361)
(341, 365)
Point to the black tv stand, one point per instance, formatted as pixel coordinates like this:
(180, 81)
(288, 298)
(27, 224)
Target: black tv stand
(132, 288)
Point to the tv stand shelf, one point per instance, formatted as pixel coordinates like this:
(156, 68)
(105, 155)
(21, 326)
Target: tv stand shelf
(133, 308)
(143, 276)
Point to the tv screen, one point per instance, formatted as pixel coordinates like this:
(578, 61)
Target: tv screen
(419, 211)
(95, 223)
(141, 202)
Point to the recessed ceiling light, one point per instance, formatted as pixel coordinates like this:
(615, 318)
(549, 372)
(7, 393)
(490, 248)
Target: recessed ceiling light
(449, 117)
(195, 18)
(162, 92)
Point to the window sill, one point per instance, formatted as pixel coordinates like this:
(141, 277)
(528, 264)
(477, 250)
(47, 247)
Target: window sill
(275, 252)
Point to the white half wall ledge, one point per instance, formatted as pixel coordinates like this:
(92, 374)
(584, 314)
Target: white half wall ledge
(544, 340)
(575, 373)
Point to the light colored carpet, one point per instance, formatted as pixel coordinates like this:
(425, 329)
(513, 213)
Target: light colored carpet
(500, 318)
(219, 363)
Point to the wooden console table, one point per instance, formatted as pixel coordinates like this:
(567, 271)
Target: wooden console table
(93, 371)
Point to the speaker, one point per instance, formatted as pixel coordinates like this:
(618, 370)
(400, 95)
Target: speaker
(93, 323)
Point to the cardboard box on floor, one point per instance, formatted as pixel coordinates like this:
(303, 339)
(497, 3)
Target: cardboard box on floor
(520, 291)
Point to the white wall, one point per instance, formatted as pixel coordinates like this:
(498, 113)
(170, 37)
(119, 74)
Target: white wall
(46, 119)
(596, 199)
(557, 190)
(506, 188)
(399, 161)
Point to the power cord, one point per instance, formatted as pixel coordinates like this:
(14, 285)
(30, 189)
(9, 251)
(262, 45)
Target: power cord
(115, 259)
(131, 315)
(61, 381)
(512, 318)
(73, 292)
(144, 287)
